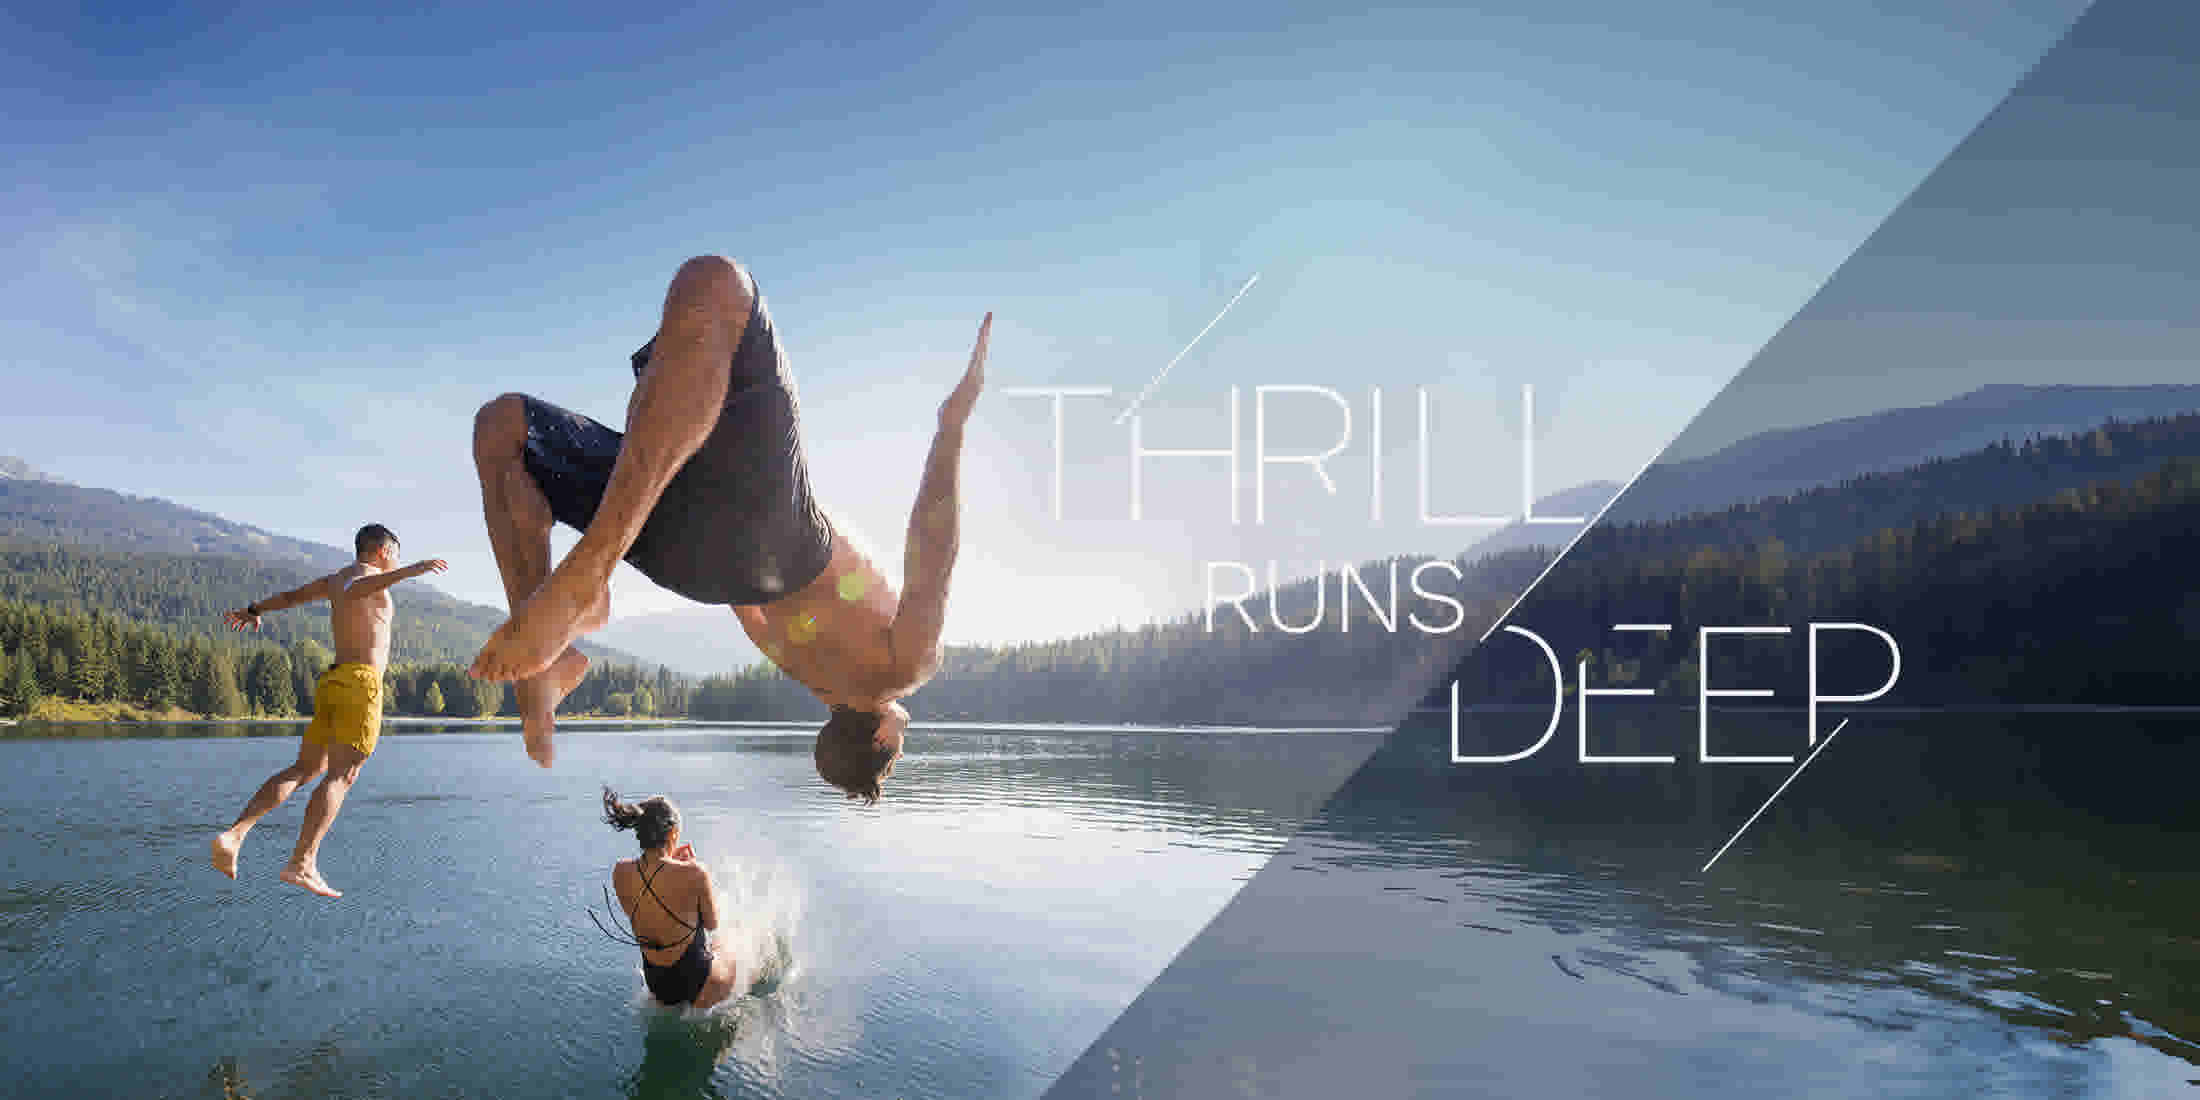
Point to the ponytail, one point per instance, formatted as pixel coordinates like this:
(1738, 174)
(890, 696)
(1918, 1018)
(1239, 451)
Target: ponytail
(619, 815)
(652, 819)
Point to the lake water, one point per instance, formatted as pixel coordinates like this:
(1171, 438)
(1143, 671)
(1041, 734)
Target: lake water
(1435, 930)
(964, 938)
(1944, 904)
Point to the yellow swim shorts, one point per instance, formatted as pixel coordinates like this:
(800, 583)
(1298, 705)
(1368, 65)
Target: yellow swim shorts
(347, 708)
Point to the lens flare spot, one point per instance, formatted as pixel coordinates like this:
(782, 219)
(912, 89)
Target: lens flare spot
(803, 629)
(852, 586)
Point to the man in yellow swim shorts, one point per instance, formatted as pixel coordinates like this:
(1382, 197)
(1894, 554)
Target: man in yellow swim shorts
(347, 703)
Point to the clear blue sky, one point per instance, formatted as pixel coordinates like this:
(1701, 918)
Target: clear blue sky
(268, 265)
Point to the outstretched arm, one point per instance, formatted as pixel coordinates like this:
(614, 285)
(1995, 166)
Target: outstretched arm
(934, 534)
(320, 588)
(369, 585)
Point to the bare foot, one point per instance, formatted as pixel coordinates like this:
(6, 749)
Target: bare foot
(539, 697)
(309, 878)
(566, 606)
(225, 853)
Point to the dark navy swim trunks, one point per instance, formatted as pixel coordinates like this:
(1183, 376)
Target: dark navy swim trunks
(738, 524)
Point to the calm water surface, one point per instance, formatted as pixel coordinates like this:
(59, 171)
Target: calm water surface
(1945, 904)
(1432, 931)
(964, 938)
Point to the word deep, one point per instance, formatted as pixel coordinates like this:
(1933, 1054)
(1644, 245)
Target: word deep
(1704, 694)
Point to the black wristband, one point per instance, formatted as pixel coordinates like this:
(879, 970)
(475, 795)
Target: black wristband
(252, 609)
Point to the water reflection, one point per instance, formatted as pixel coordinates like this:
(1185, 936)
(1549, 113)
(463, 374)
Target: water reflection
(965, 938)
(1983, 903)
(1943, 904)
(680, 1055)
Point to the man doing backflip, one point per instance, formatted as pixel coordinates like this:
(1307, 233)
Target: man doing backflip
(706, 493)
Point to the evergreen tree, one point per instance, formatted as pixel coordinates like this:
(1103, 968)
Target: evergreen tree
(308, 660)
(32, 641)
(459, 700)
(111, 686)
(268, 684)
(192, 673)
(56, 680)
(133, 660)
(164, 678)
(489, 696)
(22, 685)
(86, 675)
(222, 698)
(8, 660)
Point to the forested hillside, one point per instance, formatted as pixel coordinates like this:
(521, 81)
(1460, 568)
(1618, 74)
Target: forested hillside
(1976, 539)
(2052, 569)
(62, 657)
(1180, 672)
(2005, 474)
(1791, 460)
(56, 512)
(2083, 595)
(187, 593)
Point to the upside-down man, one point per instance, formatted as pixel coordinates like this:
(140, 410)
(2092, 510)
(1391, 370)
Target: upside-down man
(707, 493)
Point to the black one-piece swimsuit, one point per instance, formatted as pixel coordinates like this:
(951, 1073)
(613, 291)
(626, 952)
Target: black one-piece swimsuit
(679, 983)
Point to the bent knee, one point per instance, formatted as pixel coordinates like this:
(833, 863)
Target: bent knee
(713, 282)
(500, 426)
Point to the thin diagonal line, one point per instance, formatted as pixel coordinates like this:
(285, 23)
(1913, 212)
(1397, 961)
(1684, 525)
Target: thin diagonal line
(1776, 794)
(1188, 347)
(1908, 201)
(1568, 548)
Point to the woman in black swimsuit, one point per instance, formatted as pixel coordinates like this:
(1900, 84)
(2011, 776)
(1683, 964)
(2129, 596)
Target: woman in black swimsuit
(670, 905)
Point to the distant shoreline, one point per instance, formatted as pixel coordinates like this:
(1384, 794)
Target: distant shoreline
(1875, 708)
(294, 720)
(585, 721)
(278, 727)
(1135, 727)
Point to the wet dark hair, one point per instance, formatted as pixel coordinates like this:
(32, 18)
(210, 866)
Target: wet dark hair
(371, 538)
(652, 819)
(848, 753)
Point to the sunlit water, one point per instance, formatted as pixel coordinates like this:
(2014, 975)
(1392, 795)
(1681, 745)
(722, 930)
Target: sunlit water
(964, 938)
(970, 936)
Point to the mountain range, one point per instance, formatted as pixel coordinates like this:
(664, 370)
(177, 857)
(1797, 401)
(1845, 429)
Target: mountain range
(79, 548)
(36, 509)
(698, 641)
(15, 469)
(1779, 462)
